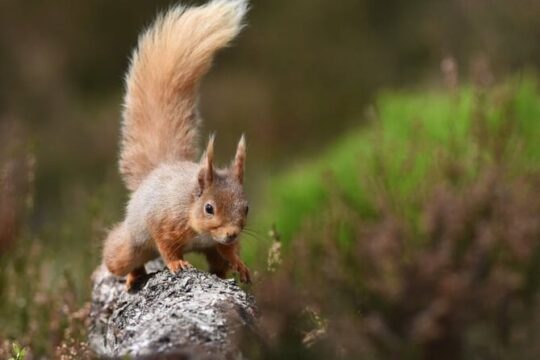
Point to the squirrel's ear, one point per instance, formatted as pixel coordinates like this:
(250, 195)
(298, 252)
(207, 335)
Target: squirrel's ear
(206, 175)
(240, 160)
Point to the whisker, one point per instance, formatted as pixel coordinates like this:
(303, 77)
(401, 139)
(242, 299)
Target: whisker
(251, 234)
(247, 238)
(253, 231)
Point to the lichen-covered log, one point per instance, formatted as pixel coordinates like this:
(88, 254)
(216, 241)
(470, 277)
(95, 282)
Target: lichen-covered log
(190, 315)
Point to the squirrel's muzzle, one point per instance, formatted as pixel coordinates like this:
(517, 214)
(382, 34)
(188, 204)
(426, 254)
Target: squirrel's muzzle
(226, 235)
(230, 238)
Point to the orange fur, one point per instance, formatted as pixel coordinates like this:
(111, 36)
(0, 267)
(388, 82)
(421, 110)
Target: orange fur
(216, 263)
(230, 253)
(120, 256)
(170, 235)
(134, 276)
(160, 119)
(170, 191)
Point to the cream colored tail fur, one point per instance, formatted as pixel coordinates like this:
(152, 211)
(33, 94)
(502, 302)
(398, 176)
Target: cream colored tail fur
(160, 119)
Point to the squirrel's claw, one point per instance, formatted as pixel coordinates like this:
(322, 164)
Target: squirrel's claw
(244, 273)
(178, 265)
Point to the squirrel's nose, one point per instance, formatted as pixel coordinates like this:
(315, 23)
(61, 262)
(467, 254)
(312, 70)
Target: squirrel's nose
(230, 237)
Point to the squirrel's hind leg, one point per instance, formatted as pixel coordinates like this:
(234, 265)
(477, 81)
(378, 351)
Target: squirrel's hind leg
(134, 277)
(119, 254)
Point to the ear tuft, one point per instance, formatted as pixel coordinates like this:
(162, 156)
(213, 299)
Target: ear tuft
(206, 175)
(240, 160)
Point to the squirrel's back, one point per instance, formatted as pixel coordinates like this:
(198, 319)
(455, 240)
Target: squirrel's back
(160, 118)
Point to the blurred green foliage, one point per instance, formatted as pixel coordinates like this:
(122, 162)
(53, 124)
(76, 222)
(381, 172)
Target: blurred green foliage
(416, 236)
(405, 149)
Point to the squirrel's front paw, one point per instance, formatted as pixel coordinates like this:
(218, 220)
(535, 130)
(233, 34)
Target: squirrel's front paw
(243, 271)
(178, 265)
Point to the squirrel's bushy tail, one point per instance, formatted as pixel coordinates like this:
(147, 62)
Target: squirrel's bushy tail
(160, 119)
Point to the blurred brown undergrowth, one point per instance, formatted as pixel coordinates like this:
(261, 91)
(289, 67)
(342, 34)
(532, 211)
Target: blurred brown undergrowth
(470, 287)
(460, 280)
(45, 270)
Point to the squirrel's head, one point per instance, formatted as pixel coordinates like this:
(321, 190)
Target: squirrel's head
(220, 208)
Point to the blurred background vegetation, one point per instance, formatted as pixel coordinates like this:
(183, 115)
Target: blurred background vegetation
(394, 145)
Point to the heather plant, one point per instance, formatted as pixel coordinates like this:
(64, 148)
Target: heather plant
(413, 236)
(45, 271)
(411, 142)
(421, 240)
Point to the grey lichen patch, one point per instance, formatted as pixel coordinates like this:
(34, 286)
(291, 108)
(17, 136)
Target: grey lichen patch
(192, 314)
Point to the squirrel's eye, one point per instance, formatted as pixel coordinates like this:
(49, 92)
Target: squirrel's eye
(209, 209)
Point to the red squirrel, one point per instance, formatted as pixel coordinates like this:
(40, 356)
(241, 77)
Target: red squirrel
(177, 204)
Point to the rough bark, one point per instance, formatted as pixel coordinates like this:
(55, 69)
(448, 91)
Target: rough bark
(190, 315)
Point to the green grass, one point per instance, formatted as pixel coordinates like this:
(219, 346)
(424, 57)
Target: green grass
(407, 146)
